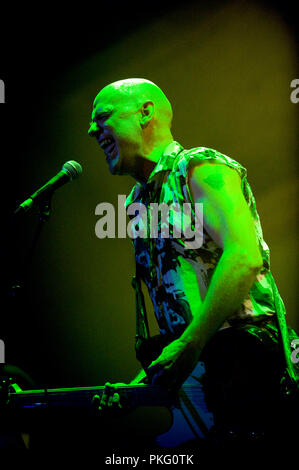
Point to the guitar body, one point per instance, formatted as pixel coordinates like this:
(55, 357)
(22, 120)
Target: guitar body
(191, 417)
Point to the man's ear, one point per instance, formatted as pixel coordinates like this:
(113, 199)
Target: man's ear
(147, 112)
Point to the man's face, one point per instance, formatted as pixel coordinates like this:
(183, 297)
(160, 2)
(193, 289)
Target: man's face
(116, 126)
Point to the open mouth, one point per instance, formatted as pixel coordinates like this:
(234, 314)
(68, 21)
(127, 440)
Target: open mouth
(106, 142)
(109, 146)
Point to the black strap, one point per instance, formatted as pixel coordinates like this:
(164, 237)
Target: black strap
(291, 377)
(142, 328)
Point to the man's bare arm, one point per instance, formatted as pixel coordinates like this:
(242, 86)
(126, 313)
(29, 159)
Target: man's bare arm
(228, 221)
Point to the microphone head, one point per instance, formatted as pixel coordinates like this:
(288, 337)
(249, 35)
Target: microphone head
(73, 169)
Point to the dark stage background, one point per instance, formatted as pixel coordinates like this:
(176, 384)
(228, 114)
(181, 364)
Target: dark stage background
(225, 66)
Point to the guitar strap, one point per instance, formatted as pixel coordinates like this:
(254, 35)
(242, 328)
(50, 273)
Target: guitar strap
(290, 381)
(142, 329)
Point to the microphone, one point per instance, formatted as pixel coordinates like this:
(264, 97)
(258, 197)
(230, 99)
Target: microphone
(70, 171)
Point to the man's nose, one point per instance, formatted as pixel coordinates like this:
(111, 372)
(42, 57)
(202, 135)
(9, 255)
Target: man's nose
(94, 129)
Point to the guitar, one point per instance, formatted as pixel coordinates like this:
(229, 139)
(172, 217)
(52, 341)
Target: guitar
(191, 418)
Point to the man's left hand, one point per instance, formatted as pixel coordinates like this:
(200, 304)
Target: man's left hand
(174, 365)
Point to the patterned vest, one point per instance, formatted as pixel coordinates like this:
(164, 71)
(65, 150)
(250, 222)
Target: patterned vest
(177, 276)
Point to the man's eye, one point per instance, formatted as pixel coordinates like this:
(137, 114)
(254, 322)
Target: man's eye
(103, 117)
(101, 121)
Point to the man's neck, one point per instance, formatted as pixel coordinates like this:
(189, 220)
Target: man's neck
(146, 163)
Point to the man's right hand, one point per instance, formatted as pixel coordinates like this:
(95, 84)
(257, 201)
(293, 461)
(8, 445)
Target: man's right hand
(110, 402)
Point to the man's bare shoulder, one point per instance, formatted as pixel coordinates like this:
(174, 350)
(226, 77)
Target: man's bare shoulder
(207, 176)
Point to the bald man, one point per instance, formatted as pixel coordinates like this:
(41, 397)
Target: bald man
(217, 302)
(135, 116)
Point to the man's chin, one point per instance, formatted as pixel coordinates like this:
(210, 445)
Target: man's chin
(118, 165)
(115, 167)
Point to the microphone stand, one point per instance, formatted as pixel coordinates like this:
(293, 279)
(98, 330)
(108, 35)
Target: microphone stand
(44, 215)
(16, 288)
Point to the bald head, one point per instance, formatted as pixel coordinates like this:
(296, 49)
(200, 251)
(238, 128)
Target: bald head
(131, 120)
(133, 93)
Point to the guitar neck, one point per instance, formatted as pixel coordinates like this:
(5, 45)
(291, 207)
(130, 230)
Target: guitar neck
(81, 397)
